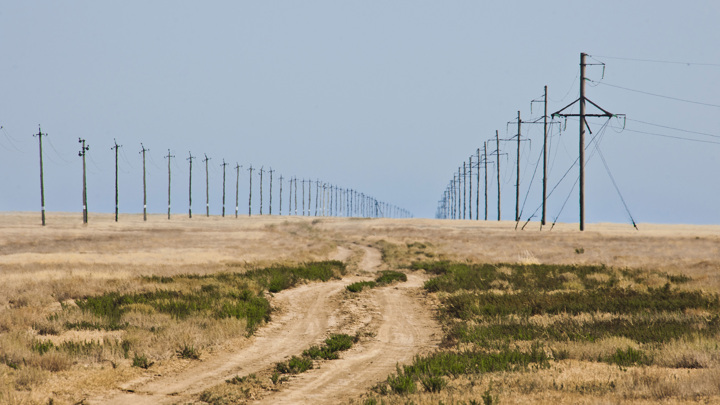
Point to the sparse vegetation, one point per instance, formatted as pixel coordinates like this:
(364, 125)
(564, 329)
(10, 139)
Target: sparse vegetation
(386, 277)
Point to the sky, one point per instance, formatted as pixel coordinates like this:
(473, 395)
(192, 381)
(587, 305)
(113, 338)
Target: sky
(388, 98)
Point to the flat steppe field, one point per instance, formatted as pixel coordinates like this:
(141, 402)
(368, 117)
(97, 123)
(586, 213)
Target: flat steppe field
(288, 309)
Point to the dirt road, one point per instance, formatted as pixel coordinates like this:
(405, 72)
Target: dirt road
(395, 323)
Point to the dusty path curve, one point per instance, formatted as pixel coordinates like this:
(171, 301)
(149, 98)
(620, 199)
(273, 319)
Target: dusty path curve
(300, 325)
(401, 327)
(405, 328)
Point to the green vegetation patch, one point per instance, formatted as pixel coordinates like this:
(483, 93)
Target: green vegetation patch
(222, 295)
(386, 277)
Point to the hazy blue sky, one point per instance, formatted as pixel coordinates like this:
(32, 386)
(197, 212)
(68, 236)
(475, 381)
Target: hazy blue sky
(386, 97)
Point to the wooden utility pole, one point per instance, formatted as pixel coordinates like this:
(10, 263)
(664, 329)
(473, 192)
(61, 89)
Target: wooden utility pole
(262, 170)
(250, 169)
(303, 197)
(83, 151)
(169, 156)
(270, 200)
(583, 123)
(116, 147)
(42, 181)
(517, 177)
(317, 192)
(237, 187)
(280, 195)
(190, 159)
(464, 189)
(224, 165)
(486, 177)
(142, 151)
(497, 141)
(470, 182)
(545, 139)
(207, 186)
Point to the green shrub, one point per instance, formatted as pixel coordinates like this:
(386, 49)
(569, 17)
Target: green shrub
(188, 352)
(433, 383)
(295, 365)
(360, 285)
(629, 357)
(142, 361)
(390, 276)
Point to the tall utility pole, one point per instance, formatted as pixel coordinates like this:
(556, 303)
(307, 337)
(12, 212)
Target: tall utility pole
(224, 165)
(207, 186)
(497, 141)
(42, 181)
(296, 207)
(142, 151)
(280, 205)
(250, 169)
(270, 201)
(83, 150)
(470, 182)
(237, 187)
(464, 180)
(303, 197)
(317, 198)
(545, 139)
(169, 156)
(583, 123)
(517, 177)
(116, 147)
(486, 178)
(460, 199)
(309, 210)
(477, 198)
(190, 159)
(262, 170)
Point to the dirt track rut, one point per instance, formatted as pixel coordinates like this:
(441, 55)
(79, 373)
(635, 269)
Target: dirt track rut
(398, 325)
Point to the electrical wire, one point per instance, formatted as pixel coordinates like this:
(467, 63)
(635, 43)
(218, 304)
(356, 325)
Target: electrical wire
(52, 146)
(666, 136)
(12, 141)
(656, 95)
(676, 129)
(660, 61)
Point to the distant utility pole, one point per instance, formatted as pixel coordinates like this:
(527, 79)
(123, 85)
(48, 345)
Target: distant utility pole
(142, 151)
(83, 150)
(207, 186)
(296, 206)
(250, 169)
(486, 178)
(470, 184)
(317, 196)
(116, 147)
(303, 196)
(464, 190)
(477, 197)
(280, 205)
(237, 187)
(583, 123)
(224, 166)
(497, 141)
(270, 200)
(309, 209)
(169, 156)
(42, 181)
(190, 159)
(545, 139)
(261, 184)
(517, 177)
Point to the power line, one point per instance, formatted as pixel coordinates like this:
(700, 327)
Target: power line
(666, 136)
(676, 129)
(660, 61)
(656, 95)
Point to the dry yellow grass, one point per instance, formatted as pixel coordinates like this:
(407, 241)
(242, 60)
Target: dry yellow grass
(42, 267)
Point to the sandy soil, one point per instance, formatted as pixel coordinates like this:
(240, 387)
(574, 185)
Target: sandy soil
(400, 325)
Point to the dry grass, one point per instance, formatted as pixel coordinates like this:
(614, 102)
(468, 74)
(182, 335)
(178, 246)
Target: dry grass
(44, 267)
